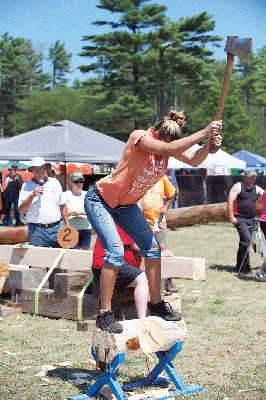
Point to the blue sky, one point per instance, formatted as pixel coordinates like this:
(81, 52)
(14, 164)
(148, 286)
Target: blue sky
(45, 21)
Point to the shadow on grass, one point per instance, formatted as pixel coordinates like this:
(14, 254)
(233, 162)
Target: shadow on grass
(248, 278)
(66, 375)
(232, 270)
(227, 268)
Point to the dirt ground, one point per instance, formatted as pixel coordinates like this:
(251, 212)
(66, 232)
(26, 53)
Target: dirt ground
(224, 350)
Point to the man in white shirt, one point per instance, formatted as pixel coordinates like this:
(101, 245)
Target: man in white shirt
(41, 201)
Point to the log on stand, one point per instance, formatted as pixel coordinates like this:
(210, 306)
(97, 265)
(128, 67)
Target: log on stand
(139, 336)
(147, 335)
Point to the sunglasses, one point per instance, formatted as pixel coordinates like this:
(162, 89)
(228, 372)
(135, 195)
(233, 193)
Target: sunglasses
(78, 181)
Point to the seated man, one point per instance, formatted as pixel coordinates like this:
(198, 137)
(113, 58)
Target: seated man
(128, 276)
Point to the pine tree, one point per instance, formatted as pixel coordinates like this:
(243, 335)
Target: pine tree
(19, 73)
(143, 52)
(120, 57)
(61, 63)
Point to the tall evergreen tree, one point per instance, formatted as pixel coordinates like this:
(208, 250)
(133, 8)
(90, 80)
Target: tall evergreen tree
(60, 59)
(141, 53)
(19, 73)
(181, 51)
(46, 107)
(119, 56)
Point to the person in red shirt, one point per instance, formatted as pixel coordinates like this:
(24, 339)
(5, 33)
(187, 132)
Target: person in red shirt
(129, 276)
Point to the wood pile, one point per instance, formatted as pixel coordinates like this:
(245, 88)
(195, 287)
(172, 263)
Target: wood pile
(26, 267)
(58, 296)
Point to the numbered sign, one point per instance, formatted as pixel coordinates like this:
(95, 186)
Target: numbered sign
(68, 237)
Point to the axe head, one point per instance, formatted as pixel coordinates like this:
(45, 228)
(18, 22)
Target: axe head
(238, 47)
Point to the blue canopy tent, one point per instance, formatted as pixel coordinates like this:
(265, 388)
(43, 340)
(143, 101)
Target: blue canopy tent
(252, 160)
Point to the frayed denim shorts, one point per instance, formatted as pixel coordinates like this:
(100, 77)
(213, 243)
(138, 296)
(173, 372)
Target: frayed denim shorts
(130, 218)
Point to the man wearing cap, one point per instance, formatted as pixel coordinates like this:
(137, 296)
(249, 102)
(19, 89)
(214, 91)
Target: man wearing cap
(41, 201)
(241, 209)
(74, 199)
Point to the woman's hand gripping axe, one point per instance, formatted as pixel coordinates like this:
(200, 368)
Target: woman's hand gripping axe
(234, 47)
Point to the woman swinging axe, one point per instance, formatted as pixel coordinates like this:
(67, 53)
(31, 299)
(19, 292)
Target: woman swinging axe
(113, 200)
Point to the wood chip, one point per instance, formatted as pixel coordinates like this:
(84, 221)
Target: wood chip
(62, 364)
(9, 353)
(90, 361)
(46, 382)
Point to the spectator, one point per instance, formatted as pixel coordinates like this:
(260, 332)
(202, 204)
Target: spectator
(128, 276)
(157, 201)
(261, 273)
(241, 209)
(11, 188)
(74, 199)
(41, 201)
(1, 202)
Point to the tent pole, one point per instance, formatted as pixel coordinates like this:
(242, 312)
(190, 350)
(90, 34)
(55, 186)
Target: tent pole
(65, 176)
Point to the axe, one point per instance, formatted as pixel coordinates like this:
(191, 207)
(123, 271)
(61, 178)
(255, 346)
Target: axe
(234, 47)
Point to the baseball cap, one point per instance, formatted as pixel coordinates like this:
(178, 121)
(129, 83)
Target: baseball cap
(250, 172)
(75, 176)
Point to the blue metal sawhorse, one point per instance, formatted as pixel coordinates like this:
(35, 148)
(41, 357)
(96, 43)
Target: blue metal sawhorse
(165, 364)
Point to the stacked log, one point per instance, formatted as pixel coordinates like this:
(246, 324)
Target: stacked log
(13, 235)
(4, 279)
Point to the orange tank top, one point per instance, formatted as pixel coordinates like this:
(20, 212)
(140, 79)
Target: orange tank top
(135, 174)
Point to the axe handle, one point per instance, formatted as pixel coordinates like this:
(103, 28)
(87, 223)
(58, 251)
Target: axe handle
(224, 93)
(226, 83)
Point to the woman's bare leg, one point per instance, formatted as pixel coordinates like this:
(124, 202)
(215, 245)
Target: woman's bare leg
(107, 284)
(153, 273)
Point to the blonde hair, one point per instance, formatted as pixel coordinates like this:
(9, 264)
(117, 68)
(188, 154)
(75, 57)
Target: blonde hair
(169, 127)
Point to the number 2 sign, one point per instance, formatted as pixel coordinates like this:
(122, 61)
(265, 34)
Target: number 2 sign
(67, 237)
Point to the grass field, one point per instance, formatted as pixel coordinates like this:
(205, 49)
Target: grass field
(224, 350)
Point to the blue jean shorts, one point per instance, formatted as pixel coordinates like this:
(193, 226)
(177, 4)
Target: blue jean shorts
(44, 237)
(130, 218)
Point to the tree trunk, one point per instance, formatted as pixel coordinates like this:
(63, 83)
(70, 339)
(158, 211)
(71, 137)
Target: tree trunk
(193, 215)
(13, 235)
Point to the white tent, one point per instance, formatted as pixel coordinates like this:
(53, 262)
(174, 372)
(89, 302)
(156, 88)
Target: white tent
(219, 159)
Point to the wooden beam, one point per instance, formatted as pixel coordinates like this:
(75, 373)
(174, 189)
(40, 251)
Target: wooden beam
(26, 278)
(69, 281)
(183, 268)
(43, 257)
(58, 306)
(81, 260)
